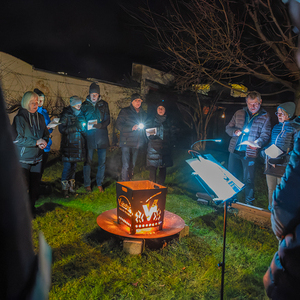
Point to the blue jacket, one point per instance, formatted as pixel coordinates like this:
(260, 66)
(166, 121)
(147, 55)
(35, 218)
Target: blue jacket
(283, 136)
(283, 276)
(43, 111)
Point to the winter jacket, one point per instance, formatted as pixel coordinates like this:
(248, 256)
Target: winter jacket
(283, 136)
(72, 147)
(127, 118)
(43, 111)
(159, 151)
(260, 129)
(97, 138)
(29, 128)
(282, 278)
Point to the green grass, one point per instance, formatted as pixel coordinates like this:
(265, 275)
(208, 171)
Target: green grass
(90, 264)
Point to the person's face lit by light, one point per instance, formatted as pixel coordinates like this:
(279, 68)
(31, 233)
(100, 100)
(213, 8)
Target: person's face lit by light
(94, 97)
(161, 110)
(282, 115)
(253, 105)
(136, 103)
(77, 106)
(33, 105)
(41, 100)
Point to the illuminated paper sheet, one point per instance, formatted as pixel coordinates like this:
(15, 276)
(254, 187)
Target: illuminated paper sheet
(217, 178)
(273, 151)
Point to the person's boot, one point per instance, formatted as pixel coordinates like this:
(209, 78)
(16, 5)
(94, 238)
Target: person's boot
(72, 186)
(65, 188)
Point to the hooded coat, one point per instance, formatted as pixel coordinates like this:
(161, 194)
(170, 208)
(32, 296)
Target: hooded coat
(97, 138)
(73, 144)
(29, 128)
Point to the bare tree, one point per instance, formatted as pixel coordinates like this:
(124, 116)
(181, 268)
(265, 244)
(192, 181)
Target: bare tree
(224, 40)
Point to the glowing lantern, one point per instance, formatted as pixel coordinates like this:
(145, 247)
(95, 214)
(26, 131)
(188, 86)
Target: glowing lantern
(141, 204)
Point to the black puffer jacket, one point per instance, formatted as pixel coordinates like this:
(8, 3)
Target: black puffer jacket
(127, 118)
(159, 152)
(97, 138)
(29, 128)
(282, 279)
(73, 145)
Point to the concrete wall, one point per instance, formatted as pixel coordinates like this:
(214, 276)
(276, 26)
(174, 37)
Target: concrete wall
(17, 77)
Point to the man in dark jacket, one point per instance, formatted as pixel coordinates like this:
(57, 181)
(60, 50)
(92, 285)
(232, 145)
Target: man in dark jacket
(97, 116)
(251, 125)
(130, 123)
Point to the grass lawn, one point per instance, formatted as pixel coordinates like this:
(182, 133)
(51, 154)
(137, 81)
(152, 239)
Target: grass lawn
(90, 264)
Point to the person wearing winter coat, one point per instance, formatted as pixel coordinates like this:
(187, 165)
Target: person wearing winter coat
(43, 111)
(282, 279)
(159, 150)
(97, 116)
(282, 136)
(73, 143)
(130, 122)
(251, 125)
(31, 139)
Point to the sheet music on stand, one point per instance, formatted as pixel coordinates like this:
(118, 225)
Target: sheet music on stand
(218, 179)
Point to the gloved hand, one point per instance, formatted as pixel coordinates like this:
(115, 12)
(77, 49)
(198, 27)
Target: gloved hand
(98, 125)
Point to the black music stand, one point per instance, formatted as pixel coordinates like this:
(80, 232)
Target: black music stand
(220, 185)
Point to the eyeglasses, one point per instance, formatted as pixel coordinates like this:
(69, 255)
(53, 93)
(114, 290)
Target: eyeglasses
(279, 114)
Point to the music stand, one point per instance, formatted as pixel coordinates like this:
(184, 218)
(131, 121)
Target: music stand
(222, 187)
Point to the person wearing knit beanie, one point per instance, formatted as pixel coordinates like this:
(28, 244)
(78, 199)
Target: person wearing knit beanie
(97, 115)
(282, 137)
(73, 145)
(288, 107)
(94, 88)
(75, 100)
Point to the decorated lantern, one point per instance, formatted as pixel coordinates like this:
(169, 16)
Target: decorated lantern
(141, 204)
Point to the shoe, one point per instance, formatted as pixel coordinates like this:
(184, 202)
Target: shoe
(100, 188)
(72, 186)
(88, 189)
(65, 188)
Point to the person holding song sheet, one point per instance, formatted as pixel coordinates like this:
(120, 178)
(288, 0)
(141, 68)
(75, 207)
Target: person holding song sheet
(250, 129)
(277, 153)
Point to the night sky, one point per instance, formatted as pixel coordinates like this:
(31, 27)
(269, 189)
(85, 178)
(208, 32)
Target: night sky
(84, 38)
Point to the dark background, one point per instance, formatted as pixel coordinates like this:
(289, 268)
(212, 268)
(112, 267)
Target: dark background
(91, 38)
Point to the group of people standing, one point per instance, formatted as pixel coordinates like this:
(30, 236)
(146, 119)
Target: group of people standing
(83, 128)
(251, 136)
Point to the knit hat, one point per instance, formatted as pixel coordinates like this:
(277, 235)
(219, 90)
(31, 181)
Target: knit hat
(26, 99)
(135, 96)
(94, 88)
(39, 92)
(74, 100)
(288, 107)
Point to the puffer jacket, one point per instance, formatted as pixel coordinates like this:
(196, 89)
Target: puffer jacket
(73, 144)
(43, 111)
(282, 278)
(159, 151)
(29, 128)
(97, 138)
(260, 130)
(127, 118)
(283, 136)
